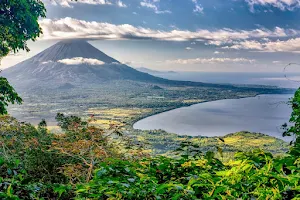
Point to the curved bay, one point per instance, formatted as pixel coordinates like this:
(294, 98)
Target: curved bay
(264, 114)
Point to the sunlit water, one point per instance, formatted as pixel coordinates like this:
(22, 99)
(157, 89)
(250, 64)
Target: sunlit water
(264, 114)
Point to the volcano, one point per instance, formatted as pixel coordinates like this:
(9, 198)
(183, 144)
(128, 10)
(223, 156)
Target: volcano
(72, 63)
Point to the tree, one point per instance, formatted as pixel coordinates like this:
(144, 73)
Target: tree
(294, 130)
(18, 24)
(7, 95)
(86, 145)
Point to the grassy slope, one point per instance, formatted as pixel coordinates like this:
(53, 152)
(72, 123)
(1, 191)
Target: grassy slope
(161, 142)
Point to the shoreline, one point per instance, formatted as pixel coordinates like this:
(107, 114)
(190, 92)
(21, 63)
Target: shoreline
(186, 106)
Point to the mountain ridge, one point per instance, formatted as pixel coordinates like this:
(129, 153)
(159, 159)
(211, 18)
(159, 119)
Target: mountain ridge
(151, 71)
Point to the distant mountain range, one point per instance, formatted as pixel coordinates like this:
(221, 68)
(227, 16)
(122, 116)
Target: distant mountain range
(154, 72)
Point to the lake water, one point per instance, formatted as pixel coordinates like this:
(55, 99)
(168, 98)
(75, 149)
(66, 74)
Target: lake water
(287, 80)
(264, 114)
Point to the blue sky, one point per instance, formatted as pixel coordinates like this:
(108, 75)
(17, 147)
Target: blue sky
(180, 35)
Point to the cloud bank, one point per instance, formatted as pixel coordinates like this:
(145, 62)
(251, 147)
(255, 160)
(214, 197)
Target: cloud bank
(209, 61)
(67, 28)
(260, 39)
(290, 45)
(80, 61)
(281, 4)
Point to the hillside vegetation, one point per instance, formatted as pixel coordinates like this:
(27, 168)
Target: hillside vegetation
(90, 162)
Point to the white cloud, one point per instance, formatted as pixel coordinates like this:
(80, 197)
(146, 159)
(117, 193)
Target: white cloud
(198, 7)
(290, 45)
(80, 60)
(69, 3)
(252, 45)
(209, 61)
(218, 52)
(153, 4)
(188, 48)
(121, 4)
(70, 28)
(281, 4)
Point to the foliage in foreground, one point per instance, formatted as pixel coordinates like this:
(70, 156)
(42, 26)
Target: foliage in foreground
(18, 24)
(294, 130)
(86, 162)
(251, 175)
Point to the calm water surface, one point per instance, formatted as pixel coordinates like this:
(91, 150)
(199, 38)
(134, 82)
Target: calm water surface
(264, 114)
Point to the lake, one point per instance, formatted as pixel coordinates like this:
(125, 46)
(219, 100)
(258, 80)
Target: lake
(264, 114)
(286, 80)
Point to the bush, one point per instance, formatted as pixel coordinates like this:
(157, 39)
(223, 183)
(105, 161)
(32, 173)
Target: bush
(253, 175)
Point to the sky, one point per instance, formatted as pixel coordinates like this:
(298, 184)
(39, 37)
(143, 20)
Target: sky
(178, 35)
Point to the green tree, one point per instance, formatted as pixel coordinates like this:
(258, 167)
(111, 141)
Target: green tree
(294, 130)
(18, 24)
(7, 95)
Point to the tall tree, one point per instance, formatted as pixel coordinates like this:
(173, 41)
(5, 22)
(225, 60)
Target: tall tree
(294, 130)
(18, 24)
(7, 95)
